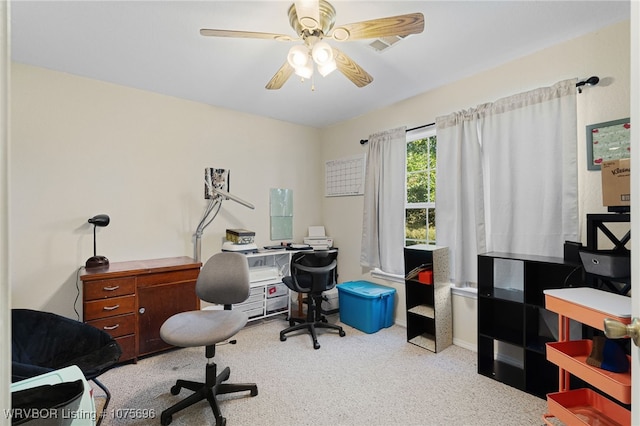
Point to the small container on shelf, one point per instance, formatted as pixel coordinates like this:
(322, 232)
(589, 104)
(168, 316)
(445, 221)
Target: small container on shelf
(426, 277)
(240, 236)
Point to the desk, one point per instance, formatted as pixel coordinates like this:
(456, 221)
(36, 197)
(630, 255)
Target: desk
(131, 300)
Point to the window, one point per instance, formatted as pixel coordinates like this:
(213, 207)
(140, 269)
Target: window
(420, 200)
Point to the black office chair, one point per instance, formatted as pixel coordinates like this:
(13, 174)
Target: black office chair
(42, 342)
(312, 273)
(223, 280)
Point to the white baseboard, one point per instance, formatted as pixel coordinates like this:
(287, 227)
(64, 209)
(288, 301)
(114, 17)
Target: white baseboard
(465, 345)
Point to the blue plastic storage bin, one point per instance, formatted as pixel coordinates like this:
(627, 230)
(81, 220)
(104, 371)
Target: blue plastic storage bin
(365, 305)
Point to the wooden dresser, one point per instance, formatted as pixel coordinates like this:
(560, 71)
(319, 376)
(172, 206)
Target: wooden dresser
(131, 300)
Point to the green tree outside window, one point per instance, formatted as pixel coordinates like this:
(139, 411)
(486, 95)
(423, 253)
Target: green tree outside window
(421, 191)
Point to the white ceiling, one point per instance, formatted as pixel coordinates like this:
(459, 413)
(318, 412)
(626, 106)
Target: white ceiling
(156, 46)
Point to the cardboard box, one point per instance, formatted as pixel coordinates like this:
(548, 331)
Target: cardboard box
(616, 177)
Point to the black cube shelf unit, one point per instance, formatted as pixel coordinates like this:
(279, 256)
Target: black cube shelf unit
(513, 325)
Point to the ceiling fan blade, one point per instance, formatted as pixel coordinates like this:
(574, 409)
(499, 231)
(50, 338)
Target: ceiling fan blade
(308, 12)
(350, 69)
(245, 34)
(280, 77)
(401, 25)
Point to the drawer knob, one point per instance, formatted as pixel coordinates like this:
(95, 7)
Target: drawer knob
(141, 310)
(111, 308)
(111, 327)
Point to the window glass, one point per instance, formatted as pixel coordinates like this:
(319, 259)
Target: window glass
(420, 208)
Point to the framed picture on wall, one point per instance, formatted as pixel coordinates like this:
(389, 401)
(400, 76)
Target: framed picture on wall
(608, 141)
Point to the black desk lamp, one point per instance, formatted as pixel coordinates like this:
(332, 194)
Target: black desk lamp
(96, 261)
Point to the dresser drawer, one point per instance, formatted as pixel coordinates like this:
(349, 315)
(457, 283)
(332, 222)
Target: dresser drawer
(128, 346)
(117, 326)
(164, 278)
(109, 307)
(114, 287)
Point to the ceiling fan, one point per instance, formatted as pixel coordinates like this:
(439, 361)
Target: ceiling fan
(313, 21)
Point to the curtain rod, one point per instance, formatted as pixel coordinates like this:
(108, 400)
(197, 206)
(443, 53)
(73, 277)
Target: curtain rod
(363, 141)
(591, 81)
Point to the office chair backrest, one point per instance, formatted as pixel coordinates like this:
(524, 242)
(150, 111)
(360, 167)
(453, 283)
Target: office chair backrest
(224, 279)
(323, 277)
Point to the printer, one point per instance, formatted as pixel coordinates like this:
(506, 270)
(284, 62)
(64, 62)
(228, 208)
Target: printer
(317, 239)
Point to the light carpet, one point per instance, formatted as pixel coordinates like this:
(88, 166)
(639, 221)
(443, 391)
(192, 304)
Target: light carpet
(359, 379)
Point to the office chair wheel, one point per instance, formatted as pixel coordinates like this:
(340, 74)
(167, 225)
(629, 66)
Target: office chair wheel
(291, 322)
(316, 345)
(342, 333)
(165, 419)
(283, 338)
(175, 389)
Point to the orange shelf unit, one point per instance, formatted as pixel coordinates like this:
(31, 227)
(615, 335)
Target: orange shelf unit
(585, 407)
(572, 357)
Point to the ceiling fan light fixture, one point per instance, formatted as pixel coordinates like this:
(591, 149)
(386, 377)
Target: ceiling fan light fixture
(328, 68)
(298, 56)
(305, 71)
(322, 53)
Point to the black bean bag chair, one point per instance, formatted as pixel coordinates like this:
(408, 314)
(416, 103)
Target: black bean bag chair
(42, 342)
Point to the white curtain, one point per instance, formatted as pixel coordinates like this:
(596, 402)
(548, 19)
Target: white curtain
(383, 215)
(507, 178)
(459, 193)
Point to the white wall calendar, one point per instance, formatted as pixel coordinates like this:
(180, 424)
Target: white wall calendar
(345, 176)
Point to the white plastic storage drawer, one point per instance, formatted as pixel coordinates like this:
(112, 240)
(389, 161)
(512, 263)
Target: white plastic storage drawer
(245, 307)
(252, 299)
(277, 303)
(256, 291)
(255, 312)
(276, 290)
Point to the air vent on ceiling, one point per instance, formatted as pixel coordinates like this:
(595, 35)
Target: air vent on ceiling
(383, 43)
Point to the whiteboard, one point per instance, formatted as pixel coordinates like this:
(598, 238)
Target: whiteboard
(345, 176)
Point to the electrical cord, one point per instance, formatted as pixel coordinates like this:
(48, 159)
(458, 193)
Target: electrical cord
(75, 302)
(566, 279)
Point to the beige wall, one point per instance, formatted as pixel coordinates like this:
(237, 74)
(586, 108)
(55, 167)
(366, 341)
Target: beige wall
(81, 147)
(604, 53)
